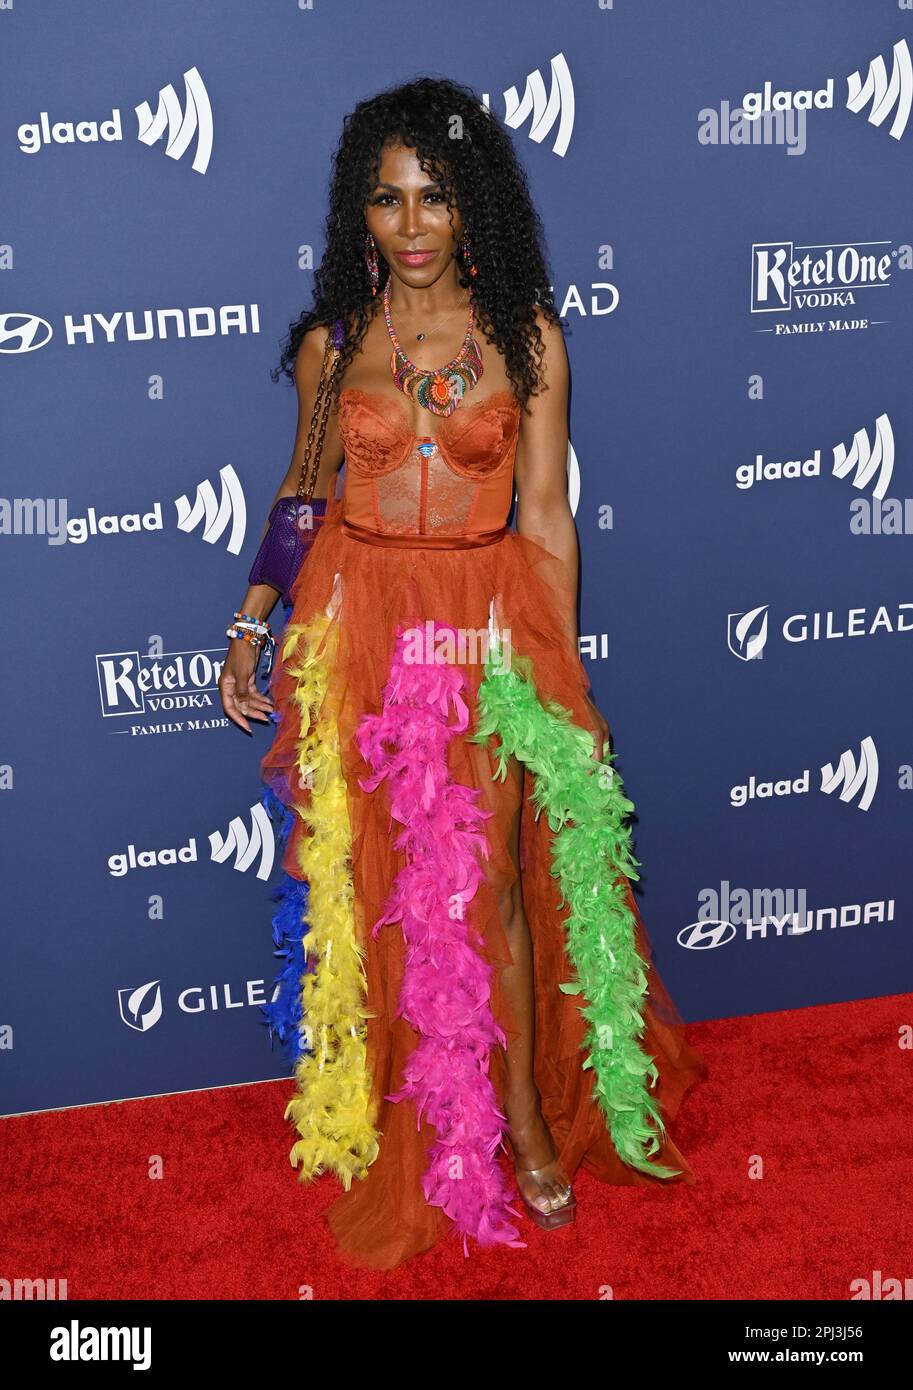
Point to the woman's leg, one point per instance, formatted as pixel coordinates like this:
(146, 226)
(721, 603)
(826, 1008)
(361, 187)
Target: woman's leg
(533, 1145)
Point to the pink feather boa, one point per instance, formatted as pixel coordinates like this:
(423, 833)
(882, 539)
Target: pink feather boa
(446, 990)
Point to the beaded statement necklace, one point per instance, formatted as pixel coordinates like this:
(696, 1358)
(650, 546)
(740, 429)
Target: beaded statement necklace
(439, 389)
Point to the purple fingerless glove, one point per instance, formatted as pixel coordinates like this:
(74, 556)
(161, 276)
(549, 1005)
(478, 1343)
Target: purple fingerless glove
(293, 525)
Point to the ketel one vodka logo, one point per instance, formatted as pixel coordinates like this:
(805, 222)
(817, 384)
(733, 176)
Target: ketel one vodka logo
(871, 91)
(546, 111)
(131, 684)
(181, 125)
(785, 276)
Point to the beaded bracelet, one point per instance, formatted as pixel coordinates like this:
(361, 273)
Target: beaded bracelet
(257, 631)
(257, 622)
(245, 624)
(246, 635)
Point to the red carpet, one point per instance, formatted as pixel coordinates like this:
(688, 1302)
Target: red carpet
(821, 1096)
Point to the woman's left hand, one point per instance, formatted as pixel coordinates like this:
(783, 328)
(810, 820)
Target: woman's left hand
(598, 727)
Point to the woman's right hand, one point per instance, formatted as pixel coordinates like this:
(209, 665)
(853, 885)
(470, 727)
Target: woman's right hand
(241, 700)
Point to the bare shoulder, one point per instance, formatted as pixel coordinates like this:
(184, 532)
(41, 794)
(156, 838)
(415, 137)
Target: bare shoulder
(542, 445)
(309, 359)
(308, 370)
(554, 365)
(546, 408)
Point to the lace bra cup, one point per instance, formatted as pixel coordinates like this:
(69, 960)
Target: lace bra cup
(475, 442)
(458, 482)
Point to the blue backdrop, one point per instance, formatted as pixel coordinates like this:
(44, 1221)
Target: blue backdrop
(737, 300)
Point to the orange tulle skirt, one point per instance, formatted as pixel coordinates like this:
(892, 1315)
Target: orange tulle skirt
(384, 1218)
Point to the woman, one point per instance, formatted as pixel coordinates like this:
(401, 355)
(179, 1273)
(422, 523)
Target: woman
(455, 915)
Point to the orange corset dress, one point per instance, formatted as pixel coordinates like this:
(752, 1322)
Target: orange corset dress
(418, 779)
(456, 486)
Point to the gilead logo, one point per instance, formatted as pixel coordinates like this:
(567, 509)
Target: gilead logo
(747, 632)
(141, 1008)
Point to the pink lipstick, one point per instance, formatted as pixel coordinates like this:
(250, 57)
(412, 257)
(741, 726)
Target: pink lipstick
(415, 257)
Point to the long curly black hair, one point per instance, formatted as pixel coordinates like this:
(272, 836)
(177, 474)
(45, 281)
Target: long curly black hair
(481, 174)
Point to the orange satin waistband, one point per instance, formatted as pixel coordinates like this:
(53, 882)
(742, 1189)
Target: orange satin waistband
(419, 542)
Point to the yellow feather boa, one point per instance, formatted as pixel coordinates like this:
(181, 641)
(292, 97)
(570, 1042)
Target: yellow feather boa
(332, 1109)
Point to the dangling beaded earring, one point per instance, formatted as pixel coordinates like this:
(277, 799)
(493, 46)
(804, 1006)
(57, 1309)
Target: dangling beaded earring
(371, 261)
(467, 255)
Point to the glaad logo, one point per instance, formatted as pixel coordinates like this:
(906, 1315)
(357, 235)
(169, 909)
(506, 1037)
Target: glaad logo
(747, 632)
(782, 279)
(885, 94)
(21, 332)
(195, 119)
(863, 460)
(130, 684)
(141, 1007)
(225, 514)
(866, 461)
(26, 331)
(257, 847)
(247, 849)
(852, 778)
(216, 514)
(556, 107)
(855, 780)
(182, 125)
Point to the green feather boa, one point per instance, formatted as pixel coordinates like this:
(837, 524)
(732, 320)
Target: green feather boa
(586, 808)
